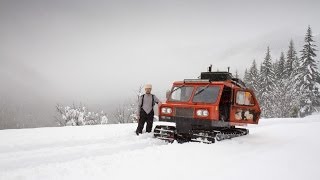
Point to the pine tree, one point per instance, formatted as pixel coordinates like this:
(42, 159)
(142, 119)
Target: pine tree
(267, 80)
(246, 77)
(259, 82)
(308, 76)
(291, 60)
(292, 93)
(275, 68)
(236, 74)
(253, 74)
(291, 96)
(279, 89)
(281, 67)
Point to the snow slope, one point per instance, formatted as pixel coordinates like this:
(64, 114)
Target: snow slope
(274, 149)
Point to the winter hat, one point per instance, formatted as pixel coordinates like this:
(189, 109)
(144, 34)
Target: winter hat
(148, 86)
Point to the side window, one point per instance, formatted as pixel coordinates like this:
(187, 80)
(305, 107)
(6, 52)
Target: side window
(244, 98)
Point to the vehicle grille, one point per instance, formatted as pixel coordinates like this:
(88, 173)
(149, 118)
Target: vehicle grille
(184, 112)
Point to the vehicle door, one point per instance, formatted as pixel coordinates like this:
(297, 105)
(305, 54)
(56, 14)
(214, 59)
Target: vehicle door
(245, 108)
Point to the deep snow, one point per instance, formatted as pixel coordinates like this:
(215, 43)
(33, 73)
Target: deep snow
(274, 149)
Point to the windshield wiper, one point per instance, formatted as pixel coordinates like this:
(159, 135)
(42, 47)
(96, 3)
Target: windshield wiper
(201, 90)
(179, 87)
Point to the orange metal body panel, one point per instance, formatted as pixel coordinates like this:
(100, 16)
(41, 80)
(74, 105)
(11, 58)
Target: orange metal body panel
(213, 108)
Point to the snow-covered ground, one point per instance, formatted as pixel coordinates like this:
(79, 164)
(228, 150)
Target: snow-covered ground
(274, 149)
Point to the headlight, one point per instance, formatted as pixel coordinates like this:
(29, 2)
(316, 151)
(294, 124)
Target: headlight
(205, 113)
(202, 113)
(166, 110)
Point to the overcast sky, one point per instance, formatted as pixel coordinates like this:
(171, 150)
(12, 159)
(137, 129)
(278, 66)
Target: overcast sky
(98, 52)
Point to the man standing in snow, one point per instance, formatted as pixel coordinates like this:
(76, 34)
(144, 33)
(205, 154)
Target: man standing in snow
(145, 111)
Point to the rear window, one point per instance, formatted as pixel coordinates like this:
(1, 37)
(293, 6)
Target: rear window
(244, 98)
(206, 94)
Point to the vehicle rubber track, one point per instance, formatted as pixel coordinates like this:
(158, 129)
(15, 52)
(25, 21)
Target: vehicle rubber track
(230, 133)
(165, 132)
(169, 133)
(207, 137)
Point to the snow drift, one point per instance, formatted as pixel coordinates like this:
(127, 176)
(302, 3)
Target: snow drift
(275, 149)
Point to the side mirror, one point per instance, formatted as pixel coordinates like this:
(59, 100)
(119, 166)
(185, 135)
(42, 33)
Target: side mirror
(168, 93)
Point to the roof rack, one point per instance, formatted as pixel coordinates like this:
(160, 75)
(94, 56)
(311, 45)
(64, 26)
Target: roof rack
(216, 76)
(195, 80)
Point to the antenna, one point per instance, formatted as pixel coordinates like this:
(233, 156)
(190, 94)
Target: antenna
(210, 68)
(228, 69)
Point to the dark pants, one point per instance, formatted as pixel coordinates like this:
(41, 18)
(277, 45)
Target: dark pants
(145, 118)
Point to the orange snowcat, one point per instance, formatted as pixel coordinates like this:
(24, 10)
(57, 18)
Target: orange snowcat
(207, 109)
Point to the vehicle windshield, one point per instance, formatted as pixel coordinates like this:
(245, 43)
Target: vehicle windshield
(206, 94)
(181, 93)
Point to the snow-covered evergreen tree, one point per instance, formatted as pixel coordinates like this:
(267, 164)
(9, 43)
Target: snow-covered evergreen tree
(252, 77)
(267, 87)
(291, 62)
(246, 76)
(280, 68)
(290, 87)
(308, 77)
(281, 108)
(291, 94)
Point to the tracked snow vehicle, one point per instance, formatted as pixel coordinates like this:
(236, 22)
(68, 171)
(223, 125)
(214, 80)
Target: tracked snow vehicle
(208, 109)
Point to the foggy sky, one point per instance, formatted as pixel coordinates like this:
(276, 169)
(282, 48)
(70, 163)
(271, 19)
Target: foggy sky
(100, 52)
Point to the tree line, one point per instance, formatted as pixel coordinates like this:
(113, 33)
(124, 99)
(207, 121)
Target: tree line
(79, 115)
(290, 86)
